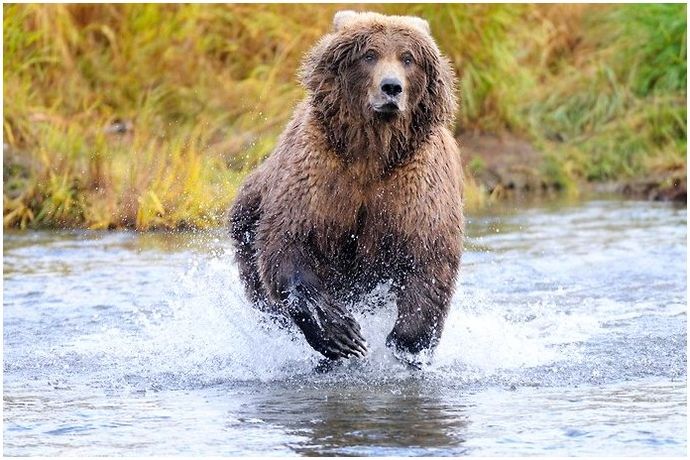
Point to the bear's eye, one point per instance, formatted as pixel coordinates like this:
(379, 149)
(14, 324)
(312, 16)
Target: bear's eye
(407, 59)
(369, 57)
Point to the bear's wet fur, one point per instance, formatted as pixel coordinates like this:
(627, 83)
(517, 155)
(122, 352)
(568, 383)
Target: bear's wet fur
(364, 186)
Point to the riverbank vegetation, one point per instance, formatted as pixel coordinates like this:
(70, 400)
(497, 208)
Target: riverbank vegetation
(149, 116)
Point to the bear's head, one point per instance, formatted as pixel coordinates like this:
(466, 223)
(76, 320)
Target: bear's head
(379, 82)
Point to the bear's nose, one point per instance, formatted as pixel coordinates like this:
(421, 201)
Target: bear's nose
(391, 86)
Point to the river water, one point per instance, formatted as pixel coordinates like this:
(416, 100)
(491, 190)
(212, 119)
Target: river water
(567, 336)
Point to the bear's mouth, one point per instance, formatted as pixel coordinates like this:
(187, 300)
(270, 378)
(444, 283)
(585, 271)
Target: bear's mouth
(388, 108)
(388, 111)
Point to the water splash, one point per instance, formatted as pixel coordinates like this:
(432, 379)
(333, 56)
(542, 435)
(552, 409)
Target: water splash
(149, 338)
(205, 332)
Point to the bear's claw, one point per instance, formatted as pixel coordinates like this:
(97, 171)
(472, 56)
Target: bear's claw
(330, 330)
(340, 340)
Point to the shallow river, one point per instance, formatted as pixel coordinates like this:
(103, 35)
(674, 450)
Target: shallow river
(567, 336)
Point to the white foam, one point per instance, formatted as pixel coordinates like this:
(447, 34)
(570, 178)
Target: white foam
(208, 332)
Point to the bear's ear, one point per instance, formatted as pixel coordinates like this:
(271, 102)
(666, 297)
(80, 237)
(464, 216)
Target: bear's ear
(418, 23)
(343, 17)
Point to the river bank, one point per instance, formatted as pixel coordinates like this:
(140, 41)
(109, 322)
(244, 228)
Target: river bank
(148, 117)
(508, 166)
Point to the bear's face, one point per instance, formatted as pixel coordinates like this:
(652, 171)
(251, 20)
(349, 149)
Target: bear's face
(379, 72)
(388, 75)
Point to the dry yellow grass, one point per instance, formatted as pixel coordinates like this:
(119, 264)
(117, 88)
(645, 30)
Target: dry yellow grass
(149, 116)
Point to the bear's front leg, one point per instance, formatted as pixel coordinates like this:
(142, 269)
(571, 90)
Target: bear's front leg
(328, 327)
(423, 301)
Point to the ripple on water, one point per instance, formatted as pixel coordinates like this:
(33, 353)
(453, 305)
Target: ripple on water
(567, 336)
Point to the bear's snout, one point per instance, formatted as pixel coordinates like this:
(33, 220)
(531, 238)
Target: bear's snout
(391, 86)
(387, 92)
(389, 100)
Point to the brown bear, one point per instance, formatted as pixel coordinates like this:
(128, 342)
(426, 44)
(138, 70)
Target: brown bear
(364, 187)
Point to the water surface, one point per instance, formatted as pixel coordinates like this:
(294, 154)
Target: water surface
(567, 336)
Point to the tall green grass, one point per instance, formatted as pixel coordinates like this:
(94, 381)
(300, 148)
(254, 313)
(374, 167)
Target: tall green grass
(202, 91)
(616, 104)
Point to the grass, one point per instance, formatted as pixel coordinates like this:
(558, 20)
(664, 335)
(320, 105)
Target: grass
(618, 105)
(149, 116)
